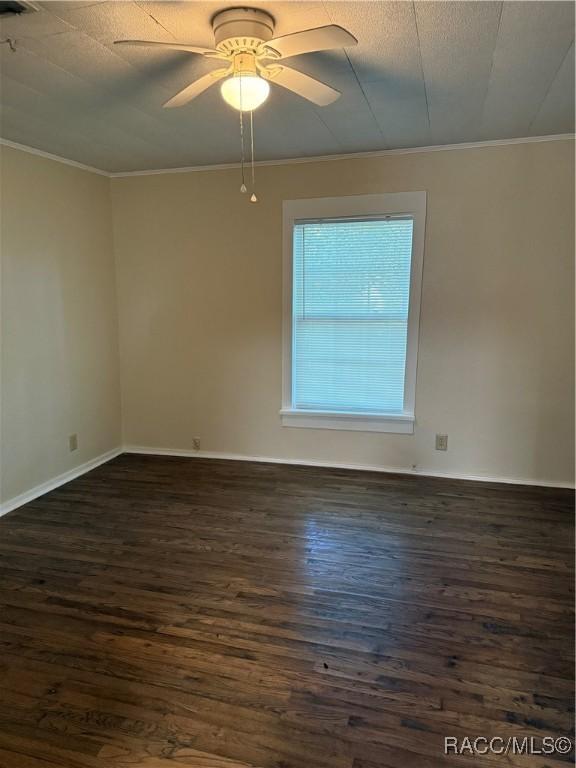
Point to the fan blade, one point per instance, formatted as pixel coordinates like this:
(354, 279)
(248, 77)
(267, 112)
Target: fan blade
(304, 85)
(310, 40)
(167, 46)
(196, 88)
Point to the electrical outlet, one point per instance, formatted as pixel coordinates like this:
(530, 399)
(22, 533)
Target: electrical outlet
(196, 443)
(441, 442)
(73, 443)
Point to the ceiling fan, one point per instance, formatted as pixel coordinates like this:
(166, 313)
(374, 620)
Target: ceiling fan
(244, 40)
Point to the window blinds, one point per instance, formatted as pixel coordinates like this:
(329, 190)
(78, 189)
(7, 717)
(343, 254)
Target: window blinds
(351, 285)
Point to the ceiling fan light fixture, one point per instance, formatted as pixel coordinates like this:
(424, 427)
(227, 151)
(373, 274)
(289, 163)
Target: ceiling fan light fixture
(244, 40)
(245, 92)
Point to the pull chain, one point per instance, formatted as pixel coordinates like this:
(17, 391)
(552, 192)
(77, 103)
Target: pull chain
(253, 198)
(243, 185)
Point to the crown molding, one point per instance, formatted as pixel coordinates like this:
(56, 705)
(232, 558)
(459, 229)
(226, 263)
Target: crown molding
(294, 160)
(49, 156)
(354, 155)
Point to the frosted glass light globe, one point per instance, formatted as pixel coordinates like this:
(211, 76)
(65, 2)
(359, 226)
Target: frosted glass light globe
(245, 92)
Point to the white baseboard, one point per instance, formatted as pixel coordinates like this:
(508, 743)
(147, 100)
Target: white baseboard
(148, 450)
(56, 482)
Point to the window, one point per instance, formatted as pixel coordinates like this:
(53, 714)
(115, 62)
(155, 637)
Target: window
(352, 274)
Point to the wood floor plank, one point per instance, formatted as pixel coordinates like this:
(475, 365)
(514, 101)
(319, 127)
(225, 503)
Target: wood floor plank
(162, 611)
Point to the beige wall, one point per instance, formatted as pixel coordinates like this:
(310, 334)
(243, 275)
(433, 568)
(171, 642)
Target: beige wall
(199, 275)
(60, 372)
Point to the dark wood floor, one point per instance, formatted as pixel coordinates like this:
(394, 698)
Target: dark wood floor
(162, 612)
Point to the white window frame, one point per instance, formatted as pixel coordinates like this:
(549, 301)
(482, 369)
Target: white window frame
(391, 204)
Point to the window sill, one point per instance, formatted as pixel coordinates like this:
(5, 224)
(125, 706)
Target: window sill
(399, 423)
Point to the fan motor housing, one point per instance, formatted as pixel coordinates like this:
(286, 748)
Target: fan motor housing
(242, 29)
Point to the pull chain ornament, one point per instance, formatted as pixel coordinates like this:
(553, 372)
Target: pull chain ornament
(243, 187)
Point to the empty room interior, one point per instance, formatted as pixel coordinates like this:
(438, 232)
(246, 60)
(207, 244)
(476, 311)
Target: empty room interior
(287, 384)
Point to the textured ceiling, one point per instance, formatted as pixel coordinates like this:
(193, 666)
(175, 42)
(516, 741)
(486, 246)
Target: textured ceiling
(423, 73)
